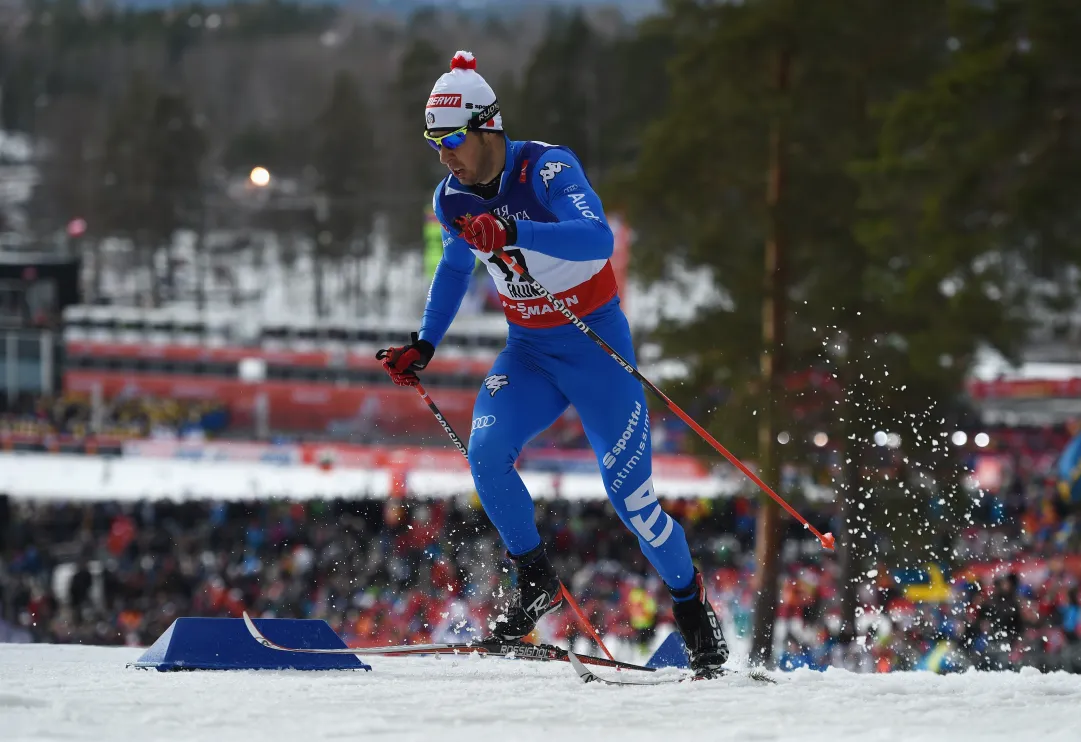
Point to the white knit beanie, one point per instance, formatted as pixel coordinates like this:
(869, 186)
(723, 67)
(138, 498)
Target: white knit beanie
(459, 95)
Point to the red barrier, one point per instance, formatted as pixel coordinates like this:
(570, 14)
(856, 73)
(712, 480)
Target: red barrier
(1024, 389)
(314, 358)
(292, 405)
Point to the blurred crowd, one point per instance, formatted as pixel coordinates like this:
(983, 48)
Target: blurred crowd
(391, 571)
(124, 417)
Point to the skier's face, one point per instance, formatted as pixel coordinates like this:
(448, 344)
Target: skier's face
(471, 161)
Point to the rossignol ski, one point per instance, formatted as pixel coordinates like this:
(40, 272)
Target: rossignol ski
(518, 650)
(588, 676)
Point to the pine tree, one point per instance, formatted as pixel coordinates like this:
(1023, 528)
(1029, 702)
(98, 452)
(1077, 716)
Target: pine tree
(417, 169)
(343, 148)
(761, 157)
(151, 183)
(560, 99)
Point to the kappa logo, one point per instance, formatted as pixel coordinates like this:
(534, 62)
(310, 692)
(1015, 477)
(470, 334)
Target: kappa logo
(452, 100)
(494, 383)
(484, 421)
(551, 170)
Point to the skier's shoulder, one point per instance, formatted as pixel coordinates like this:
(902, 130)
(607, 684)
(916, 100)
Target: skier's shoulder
(539, 153)
(550, 165)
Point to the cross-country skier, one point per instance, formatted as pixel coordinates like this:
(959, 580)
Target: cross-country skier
(534, 200)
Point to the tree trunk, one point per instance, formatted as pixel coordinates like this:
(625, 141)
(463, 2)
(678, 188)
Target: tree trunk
(317, 276)
(768, 536)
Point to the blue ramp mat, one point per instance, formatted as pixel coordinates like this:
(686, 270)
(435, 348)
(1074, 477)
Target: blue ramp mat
(224, 644)
(671, 653)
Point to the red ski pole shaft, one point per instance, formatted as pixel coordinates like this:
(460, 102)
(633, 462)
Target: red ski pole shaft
(441, 420)
(826, 540)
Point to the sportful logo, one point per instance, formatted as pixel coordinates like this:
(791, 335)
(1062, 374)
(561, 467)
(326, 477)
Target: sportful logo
(621, 444)
(453, 100)
(633, 460)
(494, 383)
(551, 170)
(484, 421)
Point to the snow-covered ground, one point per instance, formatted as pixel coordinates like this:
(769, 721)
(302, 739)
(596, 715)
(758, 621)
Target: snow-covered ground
(86, 693)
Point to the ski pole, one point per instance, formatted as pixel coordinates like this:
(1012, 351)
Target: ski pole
(461, 447)
(826, 540)
(435, 410)
(442, 420)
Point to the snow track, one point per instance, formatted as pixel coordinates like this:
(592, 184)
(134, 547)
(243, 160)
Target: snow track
(50, 692)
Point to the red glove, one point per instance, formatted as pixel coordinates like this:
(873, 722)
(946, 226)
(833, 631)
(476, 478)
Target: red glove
(488, 232)
(403, 363)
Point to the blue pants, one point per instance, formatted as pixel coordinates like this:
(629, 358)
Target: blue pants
(534, 379)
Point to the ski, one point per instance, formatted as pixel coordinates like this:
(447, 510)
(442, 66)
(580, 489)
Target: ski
(493, 648)
(588, 676)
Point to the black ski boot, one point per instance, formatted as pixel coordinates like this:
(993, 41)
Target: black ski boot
(700, 628)
(538, 591)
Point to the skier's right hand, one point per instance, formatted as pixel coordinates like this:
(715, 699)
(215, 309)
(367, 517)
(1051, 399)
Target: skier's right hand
(402, 363)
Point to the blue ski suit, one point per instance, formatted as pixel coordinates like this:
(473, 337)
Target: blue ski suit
(565, 242)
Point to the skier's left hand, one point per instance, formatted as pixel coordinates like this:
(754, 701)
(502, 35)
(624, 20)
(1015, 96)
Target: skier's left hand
(488, 232)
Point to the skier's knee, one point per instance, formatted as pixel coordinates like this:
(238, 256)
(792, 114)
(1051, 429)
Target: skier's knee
(489, 453)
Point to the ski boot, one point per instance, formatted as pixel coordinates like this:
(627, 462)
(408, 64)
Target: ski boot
(537, 592)
(700, 628)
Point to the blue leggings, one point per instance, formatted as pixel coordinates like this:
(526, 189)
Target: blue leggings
(534, 379)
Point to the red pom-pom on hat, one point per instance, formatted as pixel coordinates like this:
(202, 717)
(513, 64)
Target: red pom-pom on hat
(463, 61)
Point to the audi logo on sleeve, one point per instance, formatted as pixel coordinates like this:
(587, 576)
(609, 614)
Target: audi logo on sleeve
(484, 421)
